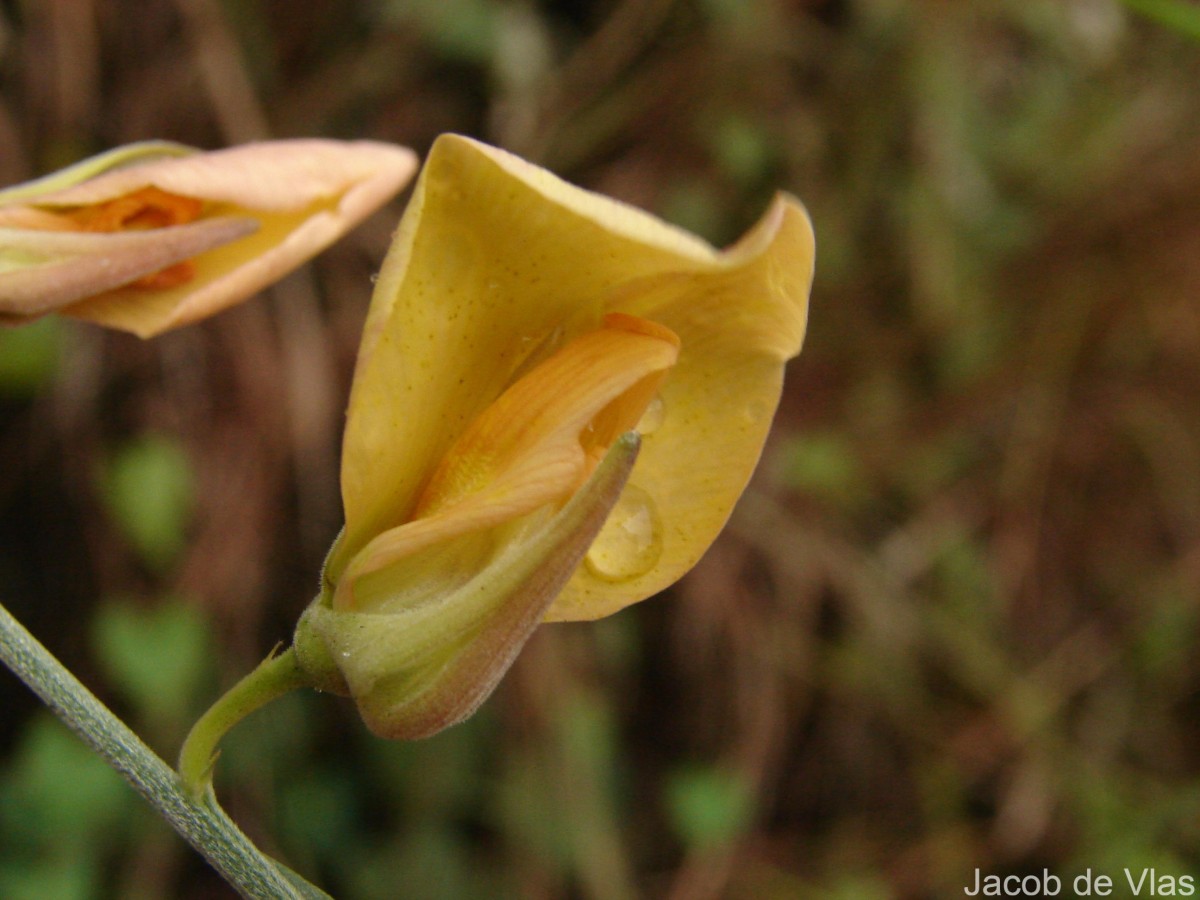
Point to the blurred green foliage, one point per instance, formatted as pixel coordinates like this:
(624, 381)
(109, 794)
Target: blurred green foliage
(1178, 15)
(29, 356)
(464, 29)
(148, 489)
(158, 658)
(708, 807)
(63, 810)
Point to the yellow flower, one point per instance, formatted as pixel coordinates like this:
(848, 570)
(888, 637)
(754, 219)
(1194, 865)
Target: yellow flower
(520, 326)
(152, 236)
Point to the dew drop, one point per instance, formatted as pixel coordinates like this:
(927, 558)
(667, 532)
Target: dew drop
(630, 542)
(754, 413)
(653, 417)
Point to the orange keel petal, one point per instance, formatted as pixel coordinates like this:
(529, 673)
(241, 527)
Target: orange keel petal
(535, 445)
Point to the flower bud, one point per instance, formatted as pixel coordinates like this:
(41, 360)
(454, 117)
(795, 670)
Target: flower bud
(152, 236)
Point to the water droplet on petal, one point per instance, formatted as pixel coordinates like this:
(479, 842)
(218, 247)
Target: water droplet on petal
(630, 542)
(653, 417)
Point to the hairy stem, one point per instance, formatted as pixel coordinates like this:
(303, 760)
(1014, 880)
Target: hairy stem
(274, 677)
(200, 821)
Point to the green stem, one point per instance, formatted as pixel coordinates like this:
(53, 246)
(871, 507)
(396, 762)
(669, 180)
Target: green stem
(201, 822)
(274, 677)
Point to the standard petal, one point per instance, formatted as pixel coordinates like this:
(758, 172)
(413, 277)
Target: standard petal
(739, 321)
(495, 262)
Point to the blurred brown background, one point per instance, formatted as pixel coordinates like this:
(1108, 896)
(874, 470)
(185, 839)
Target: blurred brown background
(951, 625)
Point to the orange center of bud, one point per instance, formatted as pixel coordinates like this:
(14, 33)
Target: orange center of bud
(144, 209)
